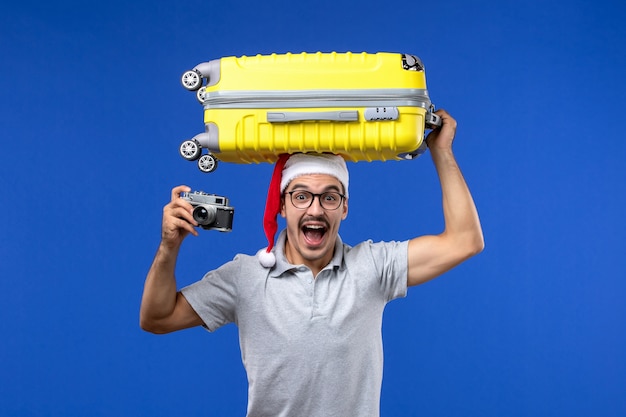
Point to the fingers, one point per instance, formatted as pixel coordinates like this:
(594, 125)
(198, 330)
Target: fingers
(179, 210)
(178, 217)
(443, 136)
(176, 226)
(177, 190)
(446, 119)
(178, 207)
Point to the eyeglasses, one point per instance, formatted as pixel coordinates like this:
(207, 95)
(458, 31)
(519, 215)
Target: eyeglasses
(329, 200)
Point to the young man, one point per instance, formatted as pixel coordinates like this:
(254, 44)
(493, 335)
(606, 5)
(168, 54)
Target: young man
(309, 311)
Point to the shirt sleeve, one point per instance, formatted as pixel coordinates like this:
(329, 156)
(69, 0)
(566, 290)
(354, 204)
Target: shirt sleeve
(390, 264)
(214, 297)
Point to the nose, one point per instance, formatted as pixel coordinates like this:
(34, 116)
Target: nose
(316, 206)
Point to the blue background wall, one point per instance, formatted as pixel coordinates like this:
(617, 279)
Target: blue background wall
(92, 113)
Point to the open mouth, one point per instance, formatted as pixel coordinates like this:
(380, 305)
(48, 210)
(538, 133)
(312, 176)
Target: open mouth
(314, 233)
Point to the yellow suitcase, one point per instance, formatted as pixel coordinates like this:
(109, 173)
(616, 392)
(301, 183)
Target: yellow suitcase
(362, 106)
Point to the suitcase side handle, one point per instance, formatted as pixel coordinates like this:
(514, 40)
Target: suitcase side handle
(433, 121)
(300, 116)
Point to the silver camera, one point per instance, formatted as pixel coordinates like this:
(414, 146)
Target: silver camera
(211, 211)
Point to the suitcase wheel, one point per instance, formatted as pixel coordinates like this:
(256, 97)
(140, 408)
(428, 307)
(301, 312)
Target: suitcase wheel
(207, 163)
(201, 94)
(191, 80)
(190, 150)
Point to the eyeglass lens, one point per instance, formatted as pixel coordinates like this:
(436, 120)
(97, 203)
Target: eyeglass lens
(304, 199)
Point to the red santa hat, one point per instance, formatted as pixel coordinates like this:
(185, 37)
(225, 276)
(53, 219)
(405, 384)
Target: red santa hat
(286, 169)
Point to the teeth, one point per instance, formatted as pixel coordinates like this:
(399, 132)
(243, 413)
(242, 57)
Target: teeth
(315, 227)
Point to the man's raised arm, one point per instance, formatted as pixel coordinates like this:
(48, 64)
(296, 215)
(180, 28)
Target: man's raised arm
(163, 309)
(432, 255)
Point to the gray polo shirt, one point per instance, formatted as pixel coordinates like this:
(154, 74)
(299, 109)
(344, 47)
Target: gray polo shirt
(310, 347)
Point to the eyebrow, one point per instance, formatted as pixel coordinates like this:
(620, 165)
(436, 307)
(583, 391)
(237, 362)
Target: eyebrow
(330, 187)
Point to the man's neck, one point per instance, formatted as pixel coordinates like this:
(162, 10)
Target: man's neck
(315, 265)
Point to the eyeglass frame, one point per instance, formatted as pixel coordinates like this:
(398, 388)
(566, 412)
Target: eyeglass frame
(342, 198)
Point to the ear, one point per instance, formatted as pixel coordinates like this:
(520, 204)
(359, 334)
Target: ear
(282, 207)
(345, 209)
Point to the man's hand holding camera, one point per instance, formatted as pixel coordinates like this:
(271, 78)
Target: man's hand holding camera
(188, 210)
(178, 219)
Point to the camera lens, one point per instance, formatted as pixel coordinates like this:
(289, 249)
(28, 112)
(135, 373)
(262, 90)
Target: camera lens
(204, 215)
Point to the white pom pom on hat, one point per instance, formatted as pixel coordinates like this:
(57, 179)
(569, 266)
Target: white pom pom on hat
(286, 169)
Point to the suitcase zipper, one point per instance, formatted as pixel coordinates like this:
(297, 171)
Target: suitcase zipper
(316, 99)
